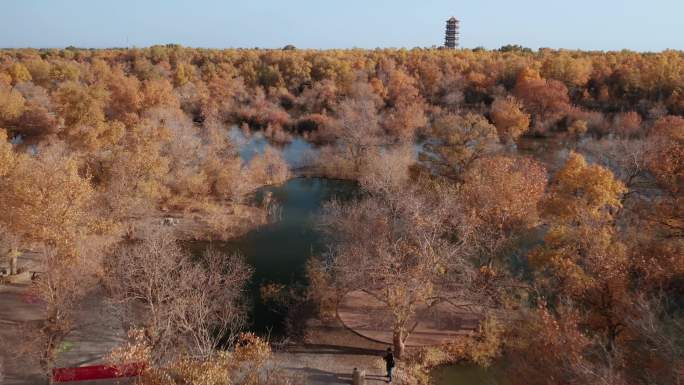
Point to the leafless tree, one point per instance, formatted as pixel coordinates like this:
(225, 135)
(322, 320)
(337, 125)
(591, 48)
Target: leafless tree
(181, 303)
(268, 168)
(626, 158)
(459, 142)
(60, 287)
(387, 170)
(659, 337)
(358, 128)
(396, 245)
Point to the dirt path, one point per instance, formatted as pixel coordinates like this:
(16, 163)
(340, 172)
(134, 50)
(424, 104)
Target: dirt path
(433, 325)
(329, 354)
(98, 331)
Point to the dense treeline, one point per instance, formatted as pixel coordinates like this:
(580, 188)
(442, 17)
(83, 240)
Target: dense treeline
(147, 109)
(577, 253)
(54, 91)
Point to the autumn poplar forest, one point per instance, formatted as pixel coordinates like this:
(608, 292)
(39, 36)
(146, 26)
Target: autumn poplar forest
(540, 192)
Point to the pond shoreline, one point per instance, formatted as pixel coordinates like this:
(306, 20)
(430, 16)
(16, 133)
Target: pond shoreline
(278, 252)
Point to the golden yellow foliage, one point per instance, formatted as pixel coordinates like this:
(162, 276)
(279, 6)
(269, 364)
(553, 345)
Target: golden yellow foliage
(571, 71)
(157, 93)
(578, 127)
(511, 122)
(580, 246)
(184, 74)
(583, 192)
(11, 104)
(44, 199)
(244, 365)
(19, 73)
(463, 140)
(6, 154)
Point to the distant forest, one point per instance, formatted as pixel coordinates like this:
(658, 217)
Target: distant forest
(549, 189)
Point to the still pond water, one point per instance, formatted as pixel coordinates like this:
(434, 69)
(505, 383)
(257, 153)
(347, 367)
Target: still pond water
(278, 251)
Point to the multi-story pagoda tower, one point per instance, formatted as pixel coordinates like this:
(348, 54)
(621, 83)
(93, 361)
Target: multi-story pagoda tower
(452, 33)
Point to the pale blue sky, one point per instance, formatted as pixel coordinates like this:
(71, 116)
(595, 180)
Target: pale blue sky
(651, 25)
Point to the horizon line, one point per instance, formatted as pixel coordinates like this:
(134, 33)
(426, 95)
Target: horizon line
(281, 48)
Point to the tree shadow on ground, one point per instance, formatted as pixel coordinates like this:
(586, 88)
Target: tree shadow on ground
(334, 349)
(320, 377)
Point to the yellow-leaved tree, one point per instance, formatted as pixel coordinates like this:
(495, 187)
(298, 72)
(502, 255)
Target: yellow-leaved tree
(45, 201)
(43, 198)
(6, 154)
(579, 211)
(582, 258)
(510, 121)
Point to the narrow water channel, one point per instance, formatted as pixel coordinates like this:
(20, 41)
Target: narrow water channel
(278, 251)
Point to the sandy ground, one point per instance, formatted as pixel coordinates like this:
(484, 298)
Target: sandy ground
(224, 222)
(329, 354)
(97, 329)
(97, 332)
(13, 312)
(434, 325)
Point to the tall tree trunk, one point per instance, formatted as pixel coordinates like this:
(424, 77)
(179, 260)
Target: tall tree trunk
(398, 339)
(13, 254)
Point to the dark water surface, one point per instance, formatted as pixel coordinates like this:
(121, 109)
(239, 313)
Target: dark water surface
(278, 251)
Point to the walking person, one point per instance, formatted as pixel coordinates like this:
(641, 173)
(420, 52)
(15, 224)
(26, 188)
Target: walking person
(389, 363)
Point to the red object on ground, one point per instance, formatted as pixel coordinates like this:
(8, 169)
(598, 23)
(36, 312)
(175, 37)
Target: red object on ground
(96, 372)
